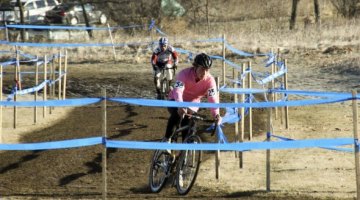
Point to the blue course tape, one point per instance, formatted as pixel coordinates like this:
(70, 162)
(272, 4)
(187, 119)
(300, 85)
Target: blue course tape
(53, 145)
(55, 103)
(245, 146)
(314, 93)
(231, 116)
(329, 148)
(242, 90)
(164, 103)
(56, 27)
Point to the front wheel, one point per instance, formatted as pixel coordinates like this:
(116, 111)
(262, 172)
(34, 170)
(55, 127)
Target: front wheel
(188, 167)
(159, 170)
(164, 88)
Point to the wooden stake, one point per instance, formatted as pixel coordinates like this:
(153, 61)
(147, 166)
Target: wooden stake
(217, 154)
(236, 78)
(60, 76)
(65, 75)
(45, 86)
(104, 135)
(112, 41)
(242, 114)
(223, 66)
(268, 135)
(356, 146)
(286, 88)
(1, 107)
(36, 92)
(16, 85)
(250, 101)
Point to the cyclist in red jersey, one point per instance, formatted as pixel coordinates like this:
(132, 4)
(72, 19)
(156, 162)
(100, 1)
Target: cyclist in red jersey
(164, 56)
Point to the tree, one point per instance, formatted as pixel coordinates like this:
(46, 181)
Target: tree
(293, 14)
(86, 18)
(346, 8)
(22, 21)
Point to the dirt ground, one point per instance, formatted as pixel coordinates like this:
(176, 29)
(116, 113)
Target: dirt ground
(76, 173)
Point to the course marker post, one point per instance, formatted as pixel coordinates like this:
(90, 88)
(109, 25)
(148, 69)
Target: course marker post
(1, 107)
(60, 75)
(250, 101)
(65, 74)
(236, 78)
(223, 62)
(112, 41)
(36, 92)
(356, 145)
(217, 154)
(45, 86)
(286, 88)
(104, 135)
(268, 135)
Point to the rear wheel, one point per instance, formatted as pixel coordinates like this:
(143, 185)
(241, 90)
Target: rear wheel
(188, 167)
(159, 170)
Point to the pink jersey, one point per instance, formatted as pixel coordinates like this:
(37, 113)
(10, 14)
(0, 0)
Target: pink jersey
(188, 90)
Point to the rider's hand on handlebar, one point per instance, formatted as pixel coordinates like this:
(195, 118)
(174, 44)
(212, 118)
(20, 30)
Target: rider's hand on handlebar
(218, 119)
(182, 111)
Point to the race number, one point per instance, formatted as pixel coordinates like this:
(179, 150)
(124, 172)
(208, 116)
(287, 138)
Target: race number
(179, 84)
(211, 92)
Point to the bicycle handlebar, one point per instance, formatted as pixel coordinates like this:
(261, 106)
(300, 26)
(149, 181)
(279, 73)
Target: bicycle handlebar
(198, 117)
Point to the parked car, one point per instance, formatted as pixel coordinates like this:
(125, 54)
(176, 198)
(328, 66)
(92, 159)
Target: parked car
(34, 10)
(72, 13)
(7, 14)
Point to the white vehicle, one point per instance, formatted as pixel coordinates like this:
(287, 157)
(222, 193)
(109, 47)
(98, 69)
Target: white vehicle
(34, 10)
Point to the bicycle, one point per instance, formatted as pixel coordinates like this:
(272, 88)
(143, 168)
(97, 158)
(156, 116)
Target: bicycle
(167, 74)
(187, 163)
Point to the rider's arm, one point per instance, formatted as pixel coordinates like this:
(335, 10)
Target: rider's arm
(213, 97)
(153, 59)
(175, 55)
(178, 91)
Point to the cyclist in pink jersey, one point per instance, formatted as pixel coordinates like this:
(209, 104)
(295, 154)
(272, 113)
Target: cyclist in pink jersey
(191, 85)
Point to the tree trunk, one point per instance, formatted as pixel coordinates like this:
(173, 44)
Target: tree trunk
(207, 17)
(86, 18)
(293, 14)
(22, 21)
(317, 13)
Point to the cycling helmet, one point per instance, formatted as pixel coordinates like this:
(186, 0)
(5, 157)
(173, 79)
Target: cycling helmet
(163, 41)
(203, 60)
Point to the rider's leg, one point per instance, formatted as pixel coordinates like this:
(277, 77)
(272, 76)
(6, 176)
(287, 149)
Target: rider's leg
(184, 122)
(157, 74)
(170, 73)
(173, 122)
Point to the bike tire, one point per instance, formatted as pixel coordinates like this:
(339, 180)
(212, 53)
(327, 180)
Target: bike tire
(164, 88)
(188, 167)
(159, 170)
